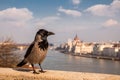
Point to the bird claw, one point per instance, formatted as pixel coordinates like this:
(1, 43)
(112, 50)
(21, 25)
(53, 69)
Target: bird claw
(35, 72)
(42, 71)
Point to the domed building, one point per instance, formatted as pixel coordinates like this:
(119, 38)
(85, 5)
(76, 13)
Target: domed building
(78, 47)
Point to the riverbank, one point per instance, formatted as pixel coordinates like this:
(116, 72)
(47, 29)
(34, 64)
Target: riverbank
(89, 55)
(99, 57)
(15, 74)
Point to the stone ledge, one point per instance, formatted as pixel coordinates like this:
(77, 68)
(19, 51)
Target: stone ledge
(25, 74)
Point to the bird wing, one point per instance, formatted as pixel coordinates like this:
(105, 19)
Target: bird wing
(29, 50)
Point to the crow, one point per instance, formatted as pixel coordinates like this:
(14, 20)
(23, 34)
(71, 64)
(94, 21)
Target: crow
(37, 51)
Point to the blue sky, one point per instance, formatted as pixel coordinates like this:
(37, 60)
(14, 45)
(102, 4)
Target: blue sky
(91, 20)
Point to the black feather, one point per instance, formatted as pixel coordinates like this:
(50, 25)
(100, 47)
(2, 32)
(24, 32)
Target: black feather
(23, 62)
(29, 50)
(43, 45)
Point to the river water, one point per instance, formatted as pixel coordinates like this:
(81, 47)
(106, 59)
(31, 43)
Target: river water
(65, 62)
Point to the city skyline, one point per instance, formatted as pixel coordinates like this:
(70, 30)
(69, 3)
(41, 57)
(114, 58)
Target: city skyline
(96, 20)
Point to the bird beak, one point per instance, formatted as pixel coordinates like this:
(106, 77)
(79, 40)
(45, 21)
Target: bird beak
(51, 33)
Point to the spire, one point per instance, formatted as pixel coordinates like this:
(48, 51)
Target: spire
(76, 38)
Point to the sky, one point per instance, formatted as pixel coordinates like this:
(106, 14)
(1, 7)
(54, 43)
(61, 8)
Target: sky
(90, 20)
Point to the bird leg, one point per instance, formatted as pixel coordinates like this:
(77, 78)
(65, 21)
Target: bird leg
(34, 71)
(41, 69)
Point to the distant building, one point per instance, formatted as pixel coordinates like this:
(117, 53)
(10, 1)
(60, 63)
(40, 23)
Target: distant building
(83, 48)
(118, 53)
(78, 47)
(98, 48)
(69, 44)
(106, 49)
(5, 43)
(110, 52)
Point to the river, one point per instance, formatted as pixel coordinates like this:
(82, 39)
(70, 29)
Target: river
(65, 62)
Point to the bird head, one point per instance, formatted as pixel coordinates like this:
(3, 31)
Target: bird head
(42, 34)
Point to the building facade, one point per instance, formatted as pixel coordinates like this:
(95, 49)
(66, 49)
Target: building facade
(78, 47)
(106, 49)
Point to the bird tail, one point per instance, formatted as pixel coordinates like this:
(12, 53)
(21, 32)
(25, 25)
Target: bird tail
(23, 62)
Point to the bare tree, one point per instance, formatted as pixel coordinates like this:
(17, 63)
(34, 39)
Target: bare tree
(8, 57)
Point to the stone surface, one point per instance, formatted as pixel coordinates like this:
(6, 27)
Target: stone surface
(27, 74)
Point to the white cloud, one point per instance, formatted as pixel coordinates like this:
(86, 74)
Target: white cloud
(22, 17)
(74, 13)
(99, 10)
(105, 10)
(110, 23)
(15, 17)
(76, 2)
(46, 21)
